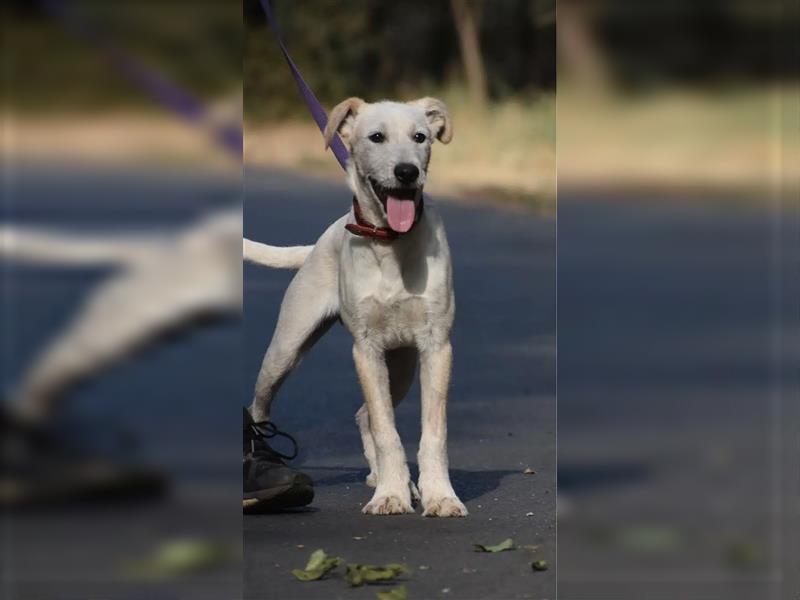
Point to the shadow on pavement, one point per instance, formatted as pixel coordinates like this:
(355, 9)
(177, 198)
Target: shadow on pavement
(469, 485)
(588, 477)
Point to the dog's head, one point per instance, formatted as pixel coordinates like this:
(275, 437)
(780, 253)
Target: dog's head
(390, 148)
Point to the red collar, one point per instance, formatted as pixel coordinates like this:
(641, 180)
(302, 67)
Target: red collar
(364, 228)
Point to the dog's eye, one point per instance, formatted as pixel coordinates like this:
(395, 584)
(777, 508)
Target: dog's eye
(376, 137)
(419, 137)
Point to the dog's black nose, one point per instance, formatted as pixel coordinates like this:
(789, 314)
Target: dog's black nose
(406, 173)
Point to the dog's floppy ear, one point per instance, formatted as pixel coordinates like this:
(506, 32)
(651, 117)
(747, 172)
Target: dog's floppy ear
(341, 119)
(438, 118)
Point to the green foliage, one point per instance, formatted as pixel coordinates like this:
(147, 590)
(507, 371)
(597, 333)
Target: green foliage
(369, 48)
(197, 46)
(377, 49)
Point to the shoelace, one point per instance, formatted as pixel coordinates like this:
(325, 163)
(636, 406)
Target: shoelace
(266, 430)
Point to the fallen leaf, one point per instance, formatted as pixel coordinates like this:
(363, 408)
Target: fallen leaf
(742, 554)
(358, 575)
(504, 545)
(539, 565)
(398, 593)
(319, 565)
(529, 471)
(650, 538)
(182, 557)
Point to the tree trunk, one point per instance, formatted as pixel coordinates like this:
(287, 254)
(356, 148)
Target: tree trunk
(579, 55)
(467, 29)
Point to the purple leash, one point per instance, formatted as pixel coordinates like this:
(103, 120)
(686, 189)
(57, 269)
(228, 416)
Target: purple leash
(317, 112)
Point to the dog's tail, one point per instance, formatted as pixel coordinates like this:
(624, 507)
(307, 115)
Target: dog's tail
(288, 257)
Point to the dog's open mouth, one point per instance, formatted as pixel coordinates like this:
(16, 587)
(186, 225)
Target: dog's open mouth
(400, 205)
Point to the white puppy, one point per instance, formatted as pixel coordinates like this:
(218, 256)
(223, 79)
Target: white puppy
(384, 269)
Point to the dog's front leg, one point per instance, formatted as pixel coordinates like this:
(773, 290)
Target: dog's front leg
(438, 497)
(392, 495)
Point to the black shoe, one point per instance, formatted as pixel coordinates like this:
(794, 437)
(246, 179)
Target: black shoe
(44, 467)
(268, 483)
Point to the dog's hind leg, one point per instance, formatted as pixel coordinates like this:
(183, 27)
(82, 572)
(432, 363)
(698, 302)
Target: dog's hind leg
(362, 419)
(309, 308)
(402, 365)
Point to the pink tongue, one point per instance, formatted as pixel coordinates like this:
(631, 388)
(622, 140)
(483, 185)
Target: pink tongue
(400, 213)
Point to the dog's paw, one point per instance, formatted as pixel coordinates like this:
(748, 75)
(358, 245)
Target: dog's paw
(372, 479)
(448, 506)
(387, 505)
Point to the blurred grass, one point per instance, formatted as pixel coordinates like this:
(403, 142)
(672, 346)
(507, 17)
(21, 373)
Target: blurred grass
(733, 141)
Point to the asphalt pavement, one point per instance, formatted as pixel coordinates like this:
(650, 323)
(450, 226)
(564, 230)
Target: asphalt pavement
(677, 388)
(675, 328)
(501, 413)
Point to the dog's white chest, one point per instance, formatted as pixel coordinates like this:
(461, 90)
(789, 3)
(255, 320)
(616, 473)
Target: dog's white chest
(396, 323)
(385, 310)
(396, 283)
(393, 303)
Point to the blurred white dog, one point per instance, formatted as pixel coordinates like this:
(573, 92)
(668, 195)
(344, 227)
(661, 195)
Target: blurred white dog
(162, 283)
